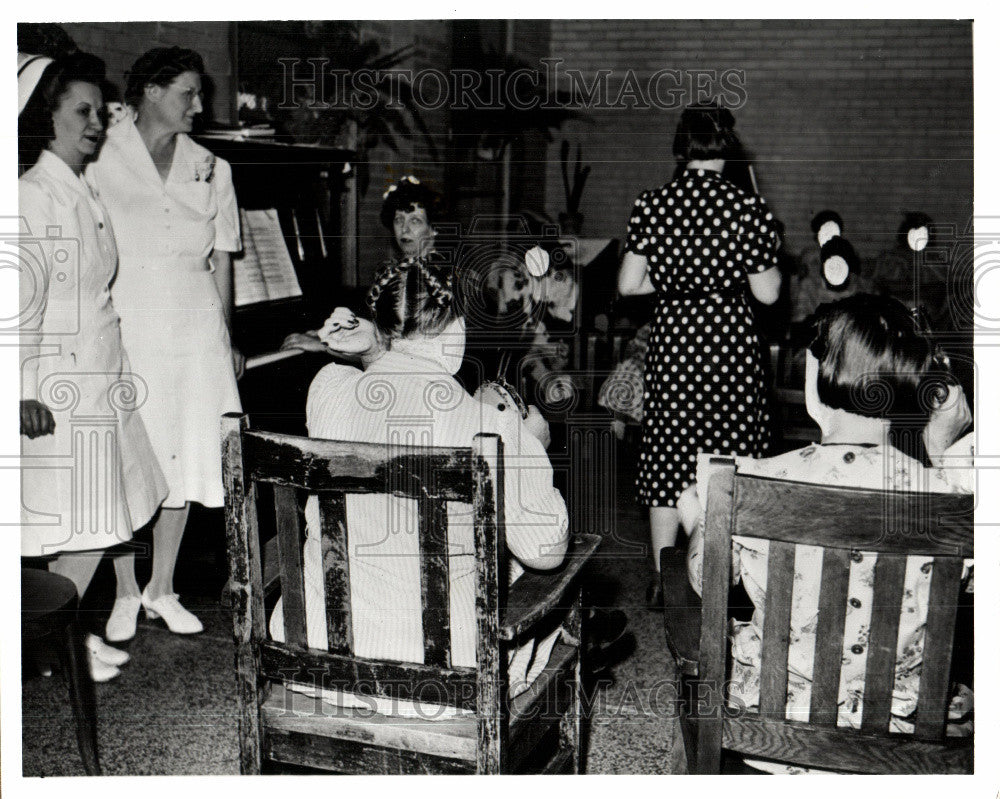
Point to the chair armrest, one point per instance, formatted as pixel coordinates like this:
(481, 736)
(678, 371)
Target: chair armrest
(536, 594)
(681, 611)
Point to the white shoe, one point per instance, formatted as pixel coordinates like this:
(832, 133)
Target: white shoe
(174, 615)
(121, 623)
(104, 653)
(99, 670)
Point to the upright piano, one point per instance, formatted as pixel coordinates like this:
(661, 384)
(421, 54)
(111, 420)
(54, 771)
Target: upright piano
(310, 188)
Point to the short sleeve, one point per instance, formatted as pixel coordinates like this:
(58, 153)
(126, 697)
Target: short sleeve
(227, 220)
(759, 247)
(636, 239)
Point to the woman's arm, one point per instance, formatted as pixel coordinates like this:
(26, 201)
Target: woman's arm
(766, 286)
(38, 213)
(633, 276)
(222, 272)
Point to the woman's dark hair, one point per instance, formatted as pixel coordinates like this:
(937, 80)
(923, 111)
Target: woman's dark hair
(407, 195)
(705, 133)
(415, 296)
(826, 216)
(34, 125)
(875, 362)
(912, 221)
(159, 67)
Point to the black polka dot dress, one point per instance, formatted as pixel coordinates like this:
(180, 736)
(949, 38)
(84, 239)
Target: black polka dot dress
(704, 380)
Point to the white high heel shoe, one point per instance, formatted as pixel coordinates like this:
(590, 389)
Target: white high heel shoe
(177, 619)
(104, 653)
(121, 622)
(99, 670)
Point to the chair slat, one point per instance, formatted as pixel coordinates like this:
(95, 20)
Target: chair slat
(337, 587)
(434, 580)
(777, 616)
(289, 538)
(829, 637)
(715, 590)
(880, 669)
(487, 522)
(939, 636)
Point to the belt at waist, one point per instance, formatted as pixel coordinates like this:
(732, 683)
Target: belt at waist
(179, 264)
(717, 296)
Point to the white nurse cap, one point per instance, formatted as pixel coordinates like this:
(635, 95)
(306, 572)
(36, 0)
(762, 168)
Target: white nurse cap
(29, 72)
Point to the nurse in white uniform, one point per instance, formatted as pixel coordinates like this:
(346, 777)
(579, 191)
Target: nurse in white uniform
(176, 224)
(88, 473)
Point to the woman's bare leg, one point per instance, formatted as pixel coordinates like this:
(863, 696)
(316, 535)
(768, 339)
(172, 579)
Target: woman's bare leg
(78, 567)
(167, 534)
(663, 524)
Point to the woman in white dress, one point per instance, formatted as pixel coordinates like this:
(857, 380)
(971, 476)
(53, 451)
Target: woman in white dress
(88, 473)
(176, 225)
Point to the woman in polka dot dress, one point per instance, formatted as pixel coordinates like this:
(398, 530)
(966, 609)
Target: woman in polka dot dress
(698, 243)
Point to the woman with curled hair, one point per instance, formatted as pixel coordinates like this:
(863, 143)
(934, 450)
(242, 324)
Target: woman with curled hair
(870, 374)
(77, 386)
(410, 209)
(176, 224)
(701, 245)
(409, 394)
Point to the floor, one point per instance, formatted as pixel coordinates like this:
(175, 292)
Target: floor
(173, 709)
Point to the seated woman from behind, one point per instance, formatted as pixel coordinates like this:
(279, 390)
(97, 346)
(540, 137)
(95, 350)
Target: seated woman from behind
(408, 396)
(868, 369)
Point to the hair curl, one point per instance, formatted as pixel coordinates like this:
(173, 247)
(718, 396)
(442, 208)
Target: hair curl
(34, 125)
(409, 195)
(159, 67)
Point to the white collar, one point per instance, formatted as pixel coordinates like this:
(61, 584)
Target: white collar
(53, 166)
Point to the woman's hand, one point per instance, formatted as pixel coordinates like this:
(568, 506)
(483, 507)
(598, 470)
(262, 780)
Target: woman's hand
(689, 508)
(345, 334)
(239, 363)
(536, 425)
(307, 342)
(947, 423)
(36, 419)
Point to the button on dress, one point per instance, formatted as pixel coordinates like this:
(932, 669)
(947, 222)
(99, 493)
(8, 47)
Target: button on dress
(173, 322)
(704, 379)
(96, 479)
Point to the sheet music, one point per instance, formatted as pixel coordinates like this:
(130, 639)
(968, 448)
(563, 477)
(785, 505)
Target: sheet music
(265, 271)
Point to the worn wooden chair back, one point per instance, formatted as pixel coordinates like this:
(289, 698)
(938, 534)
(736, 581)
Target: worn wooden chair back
(277, 725)
(841, 521)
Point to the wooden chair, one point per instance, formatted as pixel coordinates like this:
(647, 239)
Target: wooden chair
(49, 607)
(841, 520)
(277, 724)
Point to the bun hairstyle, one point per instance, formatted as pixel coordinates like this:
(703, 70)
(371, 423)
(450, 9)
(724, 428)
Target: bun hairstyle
(408, 194)
(875, 361)
(159, 67)
(34, 124)
(414, 297)
(706, 132)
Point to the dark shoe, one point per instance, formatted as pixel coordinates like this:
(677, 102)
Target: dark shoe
(654, 593)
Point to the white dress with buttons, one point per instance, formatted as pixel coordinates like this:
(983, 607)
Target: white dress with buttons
(172, 317)
(95, 479)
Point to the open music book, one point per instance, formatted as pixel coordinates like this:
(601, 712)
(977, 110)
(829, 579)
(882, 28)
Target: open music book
(264, 272)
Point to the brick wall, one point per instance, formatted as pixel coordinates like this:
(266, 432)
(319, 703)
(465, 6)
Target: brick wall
(121, 43)
(871, 118)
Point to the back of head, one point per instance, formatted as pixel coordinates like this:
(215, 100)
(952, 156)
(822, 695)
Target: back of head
(706, 133)
(159, 67)
(875, 362)
(34, 123)
(415, 297)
